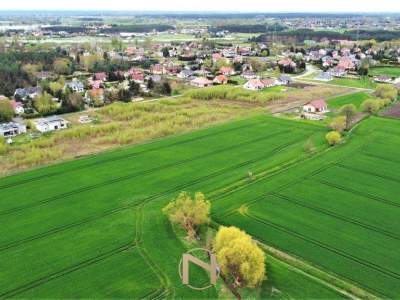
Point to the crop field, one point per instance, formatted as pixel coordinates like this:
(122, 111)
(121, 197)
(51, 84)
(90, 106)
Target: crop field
(93, 227)
(356, 99)
(338, 210)
(388, 71)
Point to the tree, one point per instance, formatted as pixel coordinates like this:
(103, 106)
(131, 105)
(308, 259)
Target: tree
(163, 88)
(62, 66)
(6, 111)
(241, 261)
(44, 104)
(150, 84)
(189, 213)
(386, 91)
(349, 111)
(370, 106)
(165, 52)
(338, 123)
(55, 88)
(74, 102)
(134, 88)
(333, 138)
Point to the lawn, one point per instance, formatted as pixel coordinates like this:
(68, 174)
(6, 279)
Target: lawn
(355, 98)
(363, 82)
(388, 71)
(93, 227)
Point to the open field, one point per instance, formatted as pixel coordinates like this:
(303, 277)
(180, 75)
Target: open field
(356, 99)
(86, 215)
(388, 71)
(364, 82)
(338, 210)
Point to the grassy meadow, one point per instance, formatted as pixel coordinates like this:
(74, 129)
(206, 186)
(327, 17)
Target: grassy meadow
(388, 71)
(356, 98)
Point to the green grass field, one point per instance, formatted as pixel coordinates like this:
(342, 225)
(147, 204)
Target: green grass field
(356, 99)
(364, 82)
(93, 227)
(388, 71)
(338, 210)
(83, 217)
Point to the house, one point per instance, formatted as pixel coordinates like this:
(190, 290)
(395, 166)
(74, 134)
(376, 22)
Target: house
(18, 107)
(30, 92)
(287, 62)
(324, 76)
(215, 57)
(254, 84)
(346, 63)
(269, 82)
(316, 106)
(138, 76)
(157, 69)
(221, 79)
(75, 85)
(94, 95)
(227, 71)
(155, 78)
(249, 75)
(285, 80)
(12, 129)
(50, 124)
(185, 74)
(383, 79)
(43, 75)
(201, 82)
(101, 76)
(338, 72)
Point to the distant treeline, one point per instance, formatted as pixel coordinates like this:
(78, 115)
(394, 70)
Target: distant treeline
(256, 28)
(13, 76)
(309, 34)
(140, 28)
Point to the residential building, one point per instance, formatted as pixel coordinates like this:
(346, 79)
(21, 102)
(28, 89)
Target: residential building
(11, 129)
(50, 124)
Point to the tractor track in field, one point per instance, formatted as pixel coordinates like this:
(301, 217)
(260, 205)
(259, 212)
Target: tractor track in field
(51, 174)
(337, 216)
(145, 200)
(357, 192)
(373, 155)
(135, 175)
(96, 259)
(322, 245)
(359, 170)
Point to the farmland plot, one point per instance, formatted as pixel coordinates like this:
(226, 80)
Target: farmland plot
(94, 228)
(338, 210)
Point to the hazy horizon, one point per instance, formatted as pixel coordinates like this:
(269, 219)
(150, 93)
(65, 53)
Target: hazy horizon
(179, 6)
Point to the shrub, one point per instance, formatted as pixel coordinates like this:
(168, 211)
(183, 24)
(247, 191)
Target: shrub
(338, 124)
(386, 91)
(333, 138)
(370, 106)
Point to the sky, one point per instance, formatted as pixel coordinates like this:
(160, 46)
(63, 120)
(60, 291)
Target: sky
(332, 6)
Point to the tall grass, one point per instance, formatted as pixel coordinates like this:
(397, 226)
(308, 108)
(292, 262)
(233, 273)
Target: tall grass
(235, 93)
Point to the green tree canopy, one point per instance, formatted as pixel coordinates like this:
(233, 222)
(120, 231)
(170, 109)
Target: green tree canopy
(6, 111)
(241, 261)
(189, 213)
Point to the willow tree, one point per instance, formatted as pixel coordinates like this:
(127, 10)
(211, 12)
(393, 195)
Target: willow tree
(189, 213)
(241, 260)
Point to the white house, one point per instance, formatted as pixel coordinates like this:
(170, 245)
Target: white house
(254, 84)
(201, 82)
(50, 124)
(11, 129)
(316, 106)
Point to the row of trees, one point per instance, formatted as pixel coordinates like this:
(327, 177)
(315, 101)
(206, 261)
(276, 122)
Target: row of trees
(241, 261)
(384, 93)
